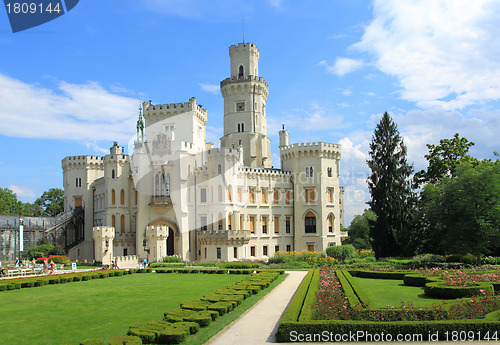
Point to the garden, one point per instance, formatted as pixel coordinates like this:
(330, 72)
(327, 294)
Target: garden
(163, 305)
(382, 303)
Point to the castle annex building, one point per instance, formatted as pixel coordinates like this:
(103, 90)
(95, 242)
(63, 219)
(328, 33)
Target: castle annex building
(178, 195)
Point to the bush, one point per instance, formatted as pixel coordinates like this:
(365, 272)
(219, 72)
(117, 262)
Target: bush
(172, 258)
(95, 341)
(342, 252)
(126, 340)
(439, 290)
(167, 264)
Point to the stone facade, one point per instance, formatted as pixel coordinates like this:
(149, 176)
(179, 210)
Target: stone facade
(177, 194)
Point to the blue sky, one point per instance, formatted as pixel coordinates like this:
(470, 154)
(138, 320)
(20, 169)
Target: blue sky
(72, 86)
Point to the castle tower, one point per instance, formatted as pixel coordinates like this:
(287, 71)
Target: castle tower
(103, 239)
(245, 95)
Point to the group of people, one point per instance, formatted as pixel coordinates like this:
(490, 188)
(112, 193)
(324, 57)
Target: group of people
(48, 265)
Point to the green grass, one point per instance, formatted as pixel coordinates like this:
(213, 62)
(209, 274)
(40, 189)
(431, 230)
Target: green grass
(393, 292)
(99, 308)
(204, 334)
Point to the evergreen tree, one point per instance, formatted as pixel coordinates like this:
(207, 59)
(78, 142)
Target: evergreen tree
(390, 189)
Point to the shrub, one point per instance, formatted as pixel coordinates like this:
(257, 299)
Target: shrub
(172, 258)
(221, 307)
(342, 252)
(439, 290)
(195, 305)
(126, 340)
(167, 264)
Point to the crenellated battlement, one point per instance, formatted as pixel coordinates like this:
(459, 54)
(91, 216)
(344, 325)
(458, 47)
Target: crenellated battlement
(244, 79)
(243, 47)
(165, 110)
(325, 150)
(83, 162)
(264, 171)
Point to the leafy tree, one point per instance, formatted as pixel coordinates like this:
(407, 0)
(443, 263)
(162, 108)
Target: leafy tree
(341, 253)
(390, 188)
(462, 213)
(51, 202)
(359, 230)
(9, 204)
(443, 159)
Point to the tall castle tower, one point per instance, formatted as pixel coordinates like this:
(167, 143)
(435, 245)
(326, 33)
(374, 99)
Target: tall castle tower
(245, 95)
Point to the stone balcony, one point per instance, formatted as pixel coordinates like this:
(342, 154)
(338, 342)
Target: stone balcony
(161, 203)
(223, 236)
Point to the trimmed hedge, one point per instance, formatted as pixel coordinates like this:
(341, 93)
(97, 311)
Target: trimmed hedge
(440, 290)
(292, 313)
(378, 274)
(126, 340)
(310, 299)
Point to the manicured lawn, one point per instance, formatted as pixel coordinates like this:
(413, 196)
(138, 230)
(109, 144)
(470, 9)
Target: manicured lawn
(99, 308)
(393, 292)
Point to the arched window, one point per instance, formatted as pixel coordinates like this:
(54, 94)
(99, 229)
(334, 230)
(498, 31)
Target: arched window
(113, 197)
(307, 172)
(239, 127)
(219, 169)
(242, 127)
(113, 173)
(113, 221)
(230, 193)
(220, 221)
(220, 194)
(122, 224)
(122, 197)
(330, 222)
(240, 74)
(311, 172)
(160, 184)
(167, 185)
(310, 223)
(229, 221)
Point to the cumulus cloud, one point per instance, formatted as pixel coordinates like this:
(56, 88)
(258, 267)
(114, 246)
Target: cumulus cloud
(316, 117)
(444, 53)
(85, 112)
(211, 88)
(342, 66)
(22, 192)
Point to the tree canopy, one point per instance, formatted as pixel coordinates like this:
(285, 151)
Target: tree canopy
(48, 205)
(51, 202)
(359, 230)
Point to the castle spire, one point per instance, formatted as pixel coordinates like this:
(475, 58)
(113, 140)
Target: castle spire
(140, 124)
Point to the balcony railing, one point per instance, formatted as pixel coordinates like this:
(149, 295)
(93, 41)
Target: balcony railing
(161, 200)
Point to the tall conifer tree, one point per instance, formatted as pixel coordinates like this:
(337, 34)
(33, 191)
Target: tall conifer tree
(390, 188)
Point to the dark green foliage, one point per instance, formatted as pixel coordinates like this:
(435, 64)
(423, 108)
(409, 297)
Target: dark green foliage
(390, 189)
(359, 230)
(221, 307)
(438, 289)
(310, 298)
(342, 252)
(195, 305)
(292, 313)
(51, 202)
(462, 213)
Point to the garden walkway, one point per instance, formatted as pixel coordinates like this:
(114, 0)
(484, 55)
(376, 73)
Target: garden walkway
(259, 323)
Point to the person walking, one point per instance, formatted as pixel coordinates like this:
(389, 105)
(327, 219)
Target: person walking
(45, 266)
(52, 266)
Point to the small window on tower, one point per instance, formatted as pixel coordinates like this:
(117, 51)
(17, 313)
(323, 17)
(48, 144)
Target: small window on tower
(240, 106)
(240, 74)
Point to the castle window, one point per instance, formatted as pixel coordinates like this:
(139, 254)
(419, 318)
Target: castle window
(252, 224)
(235, 252)
(287, 197)
(330, 222)
(112, 197)
(242, 127)
(310, 223)
(264, 225)
(219, 252)
(330, 195)
(122, 224)
(311, 172)
(113, 173)
(239, 127)
(307, 172)
(229, 221)
(122, 197)
(220, 193)
(276, 248)
(219, 169)
(230, 193)
(287, 226)
(136, 197)
(113, 221)
(288, 248)
(252, 251)
(310, 195)
(251, 195)
(264, 196)
(276, 225)
(240, 106)
(221, 225)
(160, 185)
(241, 222)
(240, 192)
(276, 196)
(203, 221)
(203, 195)
(240, 74)
(264, 250)
(329, 172)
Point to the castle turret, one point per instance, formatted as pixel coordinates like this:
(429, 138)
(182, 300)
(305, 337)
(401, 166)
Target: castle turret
(245, 95)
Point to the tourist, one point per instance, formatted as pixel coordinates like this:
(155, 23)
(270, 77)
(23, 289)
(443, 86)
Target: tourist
(52, 266)
(17, 262)
(45, 266)
(33, 263)
(145, 263)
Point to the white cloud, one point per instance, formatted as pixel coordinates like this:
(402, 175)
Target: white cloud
(211, 88)
(85, 112)
(342, 66)
(443, 52)
(22, 192)
(347, 92)
(96, 148)
(275, 3)
(315, 118)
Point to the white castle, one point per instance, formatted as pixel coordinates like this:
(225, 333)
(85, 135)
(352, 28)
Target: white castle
(177, 195)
